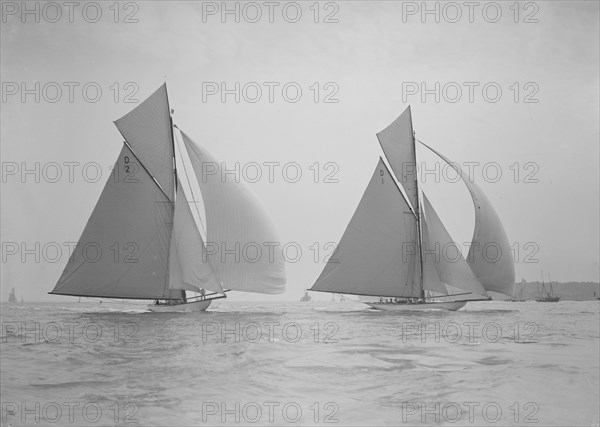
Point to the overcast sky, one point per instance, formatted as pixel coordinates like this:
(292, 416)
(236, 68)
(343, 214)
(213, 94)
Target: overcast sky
(373, 58)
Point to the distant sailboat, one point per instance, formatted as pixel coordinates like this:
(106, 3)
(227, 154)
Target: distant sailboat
(12, 297)
(546, 295)
(381, 253)
(145, 211)
(306, 297)
(518, 297)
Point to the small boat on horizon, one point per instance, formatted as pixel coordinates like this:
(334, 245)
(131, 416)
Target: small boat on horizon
(385, 250)
(519, 297)
(12, 297)
(149, 242)
(306, 297)
(546, 295)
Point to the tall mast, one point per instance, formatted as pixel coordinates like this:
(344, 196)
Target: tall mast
(174, 185)
(172, 145)
(418, 212)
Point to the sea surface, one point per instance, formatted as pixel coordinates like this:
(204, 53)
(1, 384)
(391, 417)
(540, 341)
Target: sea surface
(315, 363)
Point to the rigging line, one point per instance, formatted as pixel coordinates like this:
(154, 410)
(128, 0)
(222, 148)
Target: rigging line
(172, 138)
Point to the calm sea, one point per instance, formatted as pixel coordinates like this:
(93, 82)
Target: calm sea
(316, 363)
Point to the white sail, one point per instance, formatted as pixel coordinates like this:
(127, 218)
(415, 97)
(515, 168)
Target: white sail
(123, 250)
(189, 267)
(490, 256)
(397, 142)
(376, 254)
(241, 242)
(147, 129)
(445, 255)
(431, 278)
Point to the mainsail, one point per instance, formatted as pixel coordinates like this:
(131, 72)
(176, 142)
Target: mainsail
(377, 252)
(123, 250)
(490, 256)
(241, 242)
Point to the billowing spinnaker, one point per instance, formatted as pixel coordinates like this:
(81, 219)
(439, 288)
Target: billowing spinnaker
(123, 250)
(189, 267)
(241, 242)
(376, 254)
(147, 129)
(442, 252)
(490, 256)
(397, 142)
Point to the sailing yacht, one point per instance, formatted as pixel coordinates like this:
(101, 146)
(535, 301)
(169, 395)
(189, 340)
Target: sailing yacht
(386, 249)
(518, 296)
(12, 297)
(145, 212)
(546, 295)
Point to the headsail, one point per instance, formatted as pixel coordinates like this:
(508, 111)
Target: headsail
(123, 250)
(189, 267)
(445, 255)
(490, 256)
(376, 254)
(147, 129)
(242, 244)
(397, 142)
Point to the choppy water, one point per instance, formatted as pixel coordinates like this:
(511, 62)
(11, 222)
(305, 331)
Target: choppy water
(495, 363)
